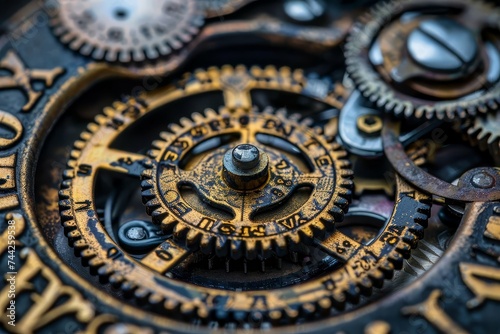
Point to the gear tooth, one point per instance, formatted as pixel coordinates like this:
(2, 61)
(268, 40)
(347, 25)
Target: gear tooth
(306, 233)
(155, 300)
(105, 271)
(180, 231)
(80, 245)
(92, 128)
(175, 128)
(251, 249)
(342, 203)
(236, 249)
(116, 280)
(337, 214)
(198, 118)
(95, 264)
(268, 110)
(85, 136)
(280, 247)
(79, 144)
(265, 248)
(192, 237)
(142, 293)
(210, 113)
(221, 245)
(69, 226)
(147, 183)
(387, 268)
(377, 278)
(167, 136)
(397, 260)
(185, 122)
(168, 223)
(158, 215)
(206, 244)
(158, 144)
(294, 238)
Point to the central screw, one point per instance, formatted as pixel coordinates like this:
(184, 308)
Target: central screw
(483, 180)
(245, 167)
(246, 156)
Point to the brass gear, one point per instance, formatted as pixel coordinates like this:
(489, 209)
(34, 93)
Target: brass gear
(242, 233)
(127, 31)
(363, 266)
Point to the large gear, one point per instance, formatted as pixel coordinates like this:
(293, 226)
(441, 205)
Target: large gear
(363, 266)
(243, 192)
(384, 60)
(127, 31)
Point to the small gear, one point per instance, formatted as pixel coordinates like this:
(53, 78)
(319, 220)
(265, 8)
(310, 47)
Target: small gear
(484, 131)
(126, 31)
(386, 64)
(247, 178)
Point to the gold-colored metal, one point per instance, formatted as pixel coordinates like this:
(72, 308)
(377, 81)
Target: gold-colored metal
(243, 230)
(369, 124)
(23, 77)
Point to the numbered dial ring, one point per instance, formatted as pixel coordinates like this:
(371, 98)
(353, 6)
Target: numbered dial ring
(252, 203)
(128, 30)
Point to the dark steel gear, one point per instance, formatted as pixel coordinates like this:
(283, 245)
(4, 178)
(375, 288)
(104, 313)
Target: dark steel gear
(127, 31)
(484, 131)
(250, 180)
(455, 77)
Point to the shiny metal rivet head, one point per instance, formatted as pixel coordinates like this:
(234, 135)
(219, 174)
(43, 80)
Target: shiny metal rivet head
(246, 156)
(136, 233)
(496, 209)
(304, 10)
(483, 180)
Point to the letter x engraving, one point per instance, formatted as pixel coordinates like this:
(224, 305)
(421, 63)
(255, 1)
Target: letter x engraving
(22, 77)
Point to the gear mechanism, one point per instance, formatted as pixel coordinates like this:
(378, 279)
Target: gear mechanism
(456, 77)
(261, 209)
(216, 155)
(129, 30)
(484, 131)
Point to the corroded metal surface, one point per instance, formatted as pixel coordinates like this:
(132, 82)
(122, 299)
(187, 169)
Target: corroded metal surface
(222, 166)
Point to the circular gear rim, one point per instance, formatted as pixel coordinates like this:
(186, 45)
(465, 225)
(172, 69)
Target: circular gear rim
(280, 241)
(76, 39)
(317, 297)
(373, 87)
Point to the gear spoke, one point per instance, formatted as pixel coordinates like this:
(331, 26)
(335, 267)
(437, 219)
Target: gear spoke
(119, 161)
(165, 256)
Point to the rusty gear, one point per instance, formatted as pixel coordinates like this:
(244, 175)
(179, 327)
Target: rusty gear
(484, 131)
(362, 267)
(383, 60)
(222, 186)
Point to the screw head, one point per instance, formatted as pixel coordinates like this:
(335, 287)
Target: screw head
(304, 10)
(443, 44)
(483, 180)
(246, 156)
